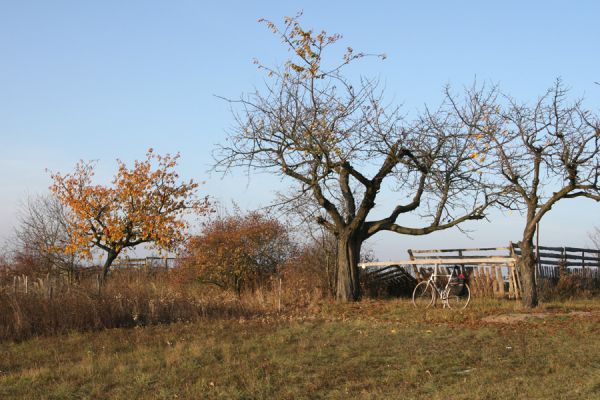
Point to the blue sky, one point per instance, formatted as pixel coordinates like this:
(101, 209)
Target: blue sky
(108, 79)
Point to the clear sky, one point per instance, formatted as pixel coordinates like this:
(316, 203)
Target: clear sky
(108, 79)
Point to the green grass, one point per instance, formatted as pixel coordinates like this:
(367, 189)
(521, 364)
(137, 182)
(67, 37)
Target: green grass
(368, 350)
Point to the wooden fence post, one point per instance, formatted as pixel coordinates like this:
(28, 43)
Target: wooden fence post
(279, 296)
(500, 278)
(415, 269)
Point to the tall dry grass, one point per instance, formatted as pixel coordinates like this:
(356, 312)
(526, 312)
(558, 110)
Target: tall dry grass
(51, 305)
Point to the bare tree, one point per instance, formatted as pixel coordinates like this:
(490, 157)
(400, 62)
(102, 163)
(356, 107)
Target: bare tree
(337, 141)
(542, 153)
(42, 232)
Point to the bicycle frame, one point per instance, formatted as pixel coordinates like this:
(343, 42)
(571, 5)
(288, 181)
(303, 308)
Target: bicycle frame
(439, 291)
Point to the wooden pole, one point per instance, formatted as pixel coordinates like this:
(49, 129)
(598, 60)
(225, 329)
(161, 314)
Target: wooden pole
(279, 297)
(415, 269)
(537, 250)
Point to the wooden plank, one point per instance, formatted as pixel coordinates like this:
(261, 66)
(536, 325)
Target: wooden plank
(568, 256)
(511, 284)
(577, 249)
(518, 285)
(586, 265)
(415, 269)
(380, 271)
(516, 246)
(515, 283)
(447, 261)
(385, 275)
(457, 250)
(556, 263)
(452, 256)
(500, 279)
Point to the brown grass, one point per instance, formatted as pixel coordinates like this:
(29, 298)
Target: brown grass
(128, 299)
(367, 350)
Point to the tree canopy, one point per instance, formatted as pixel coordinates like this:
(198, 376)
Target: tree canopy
(337, 140)
(144, 204)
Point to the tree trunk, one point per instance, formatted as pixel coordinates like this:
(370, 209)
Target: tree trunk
(527, 264)
(110, 257)
(348, 255)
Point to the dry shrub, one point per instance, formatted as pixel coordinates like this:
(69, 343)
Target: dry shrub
(311, 273)
(568, 286)
(239, 252)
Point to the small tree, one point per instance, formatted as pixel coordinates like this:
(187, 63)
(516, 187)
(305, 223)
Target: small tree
(338, 143)
(541, 154)
(236, 252)
(42, 232)
(144, 204)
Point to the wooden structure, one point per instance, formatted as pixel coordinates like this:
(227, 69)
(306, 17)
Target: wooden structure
(387, 280)
(492, 271)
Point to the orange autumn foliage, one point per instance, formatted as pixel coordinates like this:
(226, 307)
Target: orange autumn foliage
(144, 204)
(239, 252)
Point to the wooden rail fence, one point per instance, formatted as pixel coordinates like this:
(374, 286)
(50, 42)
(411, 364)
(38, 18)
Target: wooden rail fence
(552, 261)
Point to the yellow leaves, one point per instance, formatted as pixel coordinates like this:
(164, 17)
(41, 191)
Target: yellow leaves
(296, 68)
(476, 155)
(307, 48)
(143, 204)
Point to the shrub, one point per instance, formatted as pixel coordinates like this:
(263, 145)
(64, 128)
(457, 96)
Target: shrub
(239, 252)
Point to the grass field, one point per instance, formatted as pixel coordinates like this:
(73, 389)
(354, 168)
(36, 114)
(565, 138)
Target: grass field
(368, 350)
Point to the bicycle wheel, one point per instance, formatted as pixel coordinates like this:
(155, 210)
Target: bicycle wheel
(423, 295)
(459, 296)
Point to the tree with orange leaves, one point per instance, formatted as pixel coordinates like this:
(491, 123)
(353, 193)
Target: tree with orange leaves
(144, 204)
(239, 251)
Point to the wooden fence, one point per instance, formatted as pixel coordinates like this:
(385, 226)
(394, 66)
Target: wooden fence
(554, 261)
(146, 263)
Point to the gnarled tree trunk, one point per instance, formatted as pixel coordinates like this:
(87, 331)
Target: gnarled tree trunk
(348, 256)
(110, 257)
(527, 263)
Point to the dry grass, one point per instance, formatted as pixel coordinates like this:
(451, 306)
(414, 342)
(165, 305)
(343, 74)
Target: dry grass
(159, 337)
(368, 350)
(127, 300)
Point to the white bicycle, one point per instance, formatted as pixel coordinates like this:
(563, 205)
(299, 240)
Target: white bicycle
(455, 294)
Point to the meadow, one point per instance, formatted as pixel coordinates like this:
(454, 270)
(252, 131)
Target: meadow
(367, 350)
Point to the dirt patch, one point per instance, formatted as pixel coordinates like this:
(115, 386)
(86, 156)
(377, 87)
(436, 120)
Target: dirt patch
(514, 318)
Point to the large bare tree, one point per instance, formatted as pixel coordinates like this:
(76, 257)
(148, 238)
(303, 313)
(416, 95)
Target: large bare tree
(540, 154)
(341, 145)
